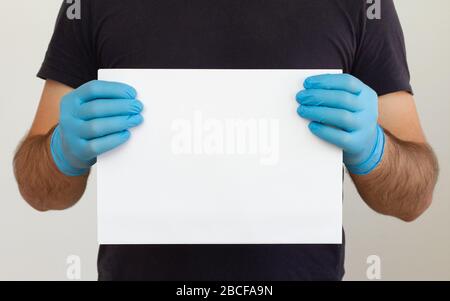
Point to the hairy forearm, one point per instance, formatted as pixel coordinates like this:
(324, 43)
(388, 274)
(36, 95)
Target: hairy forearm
(41, 184)
(402, 185)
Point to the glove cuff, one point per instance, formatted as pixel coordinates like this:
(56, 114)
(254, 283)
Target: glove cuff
(374, 159)
(58, 157)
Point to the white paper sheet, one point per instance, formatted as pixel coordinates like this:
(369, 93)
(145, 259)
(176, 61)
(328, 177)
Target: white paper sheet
(221, 158)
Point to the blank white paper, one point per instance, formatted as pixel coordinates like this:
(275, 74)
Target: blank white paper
(221, 158)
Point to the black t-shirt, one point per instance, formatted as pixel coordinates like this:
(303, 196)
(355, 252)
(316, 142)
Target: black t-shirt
(239, 34)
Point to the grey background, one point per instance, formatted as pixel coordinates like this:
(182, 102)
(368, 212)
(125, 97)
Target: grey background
(34, 246)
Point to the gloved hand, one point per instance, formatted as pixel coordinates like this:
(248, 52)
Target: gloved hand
(344, 112)
(94, 119)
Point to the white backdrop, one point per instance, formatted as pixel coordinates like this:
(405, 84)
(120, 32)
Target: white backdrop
(35, 246)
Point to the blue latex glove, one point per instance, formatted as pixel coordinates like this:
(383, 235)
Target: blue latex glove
(344, 112)
(94, 119)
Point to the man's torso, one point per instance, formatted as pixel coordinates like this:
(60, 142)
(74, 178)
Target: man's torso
(244, 34)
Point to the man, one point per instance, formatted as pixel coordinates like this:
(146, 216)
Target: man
(369, 112)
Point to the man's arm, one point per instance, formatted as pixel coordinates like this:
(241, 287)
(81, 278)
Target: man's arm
(41, 184)
(402, 184)
(70, 130)
(385, 150)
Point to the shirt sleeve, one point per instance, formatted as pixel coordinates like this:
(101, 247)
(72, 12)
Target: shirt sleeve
(70, 57)
(380, 60)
